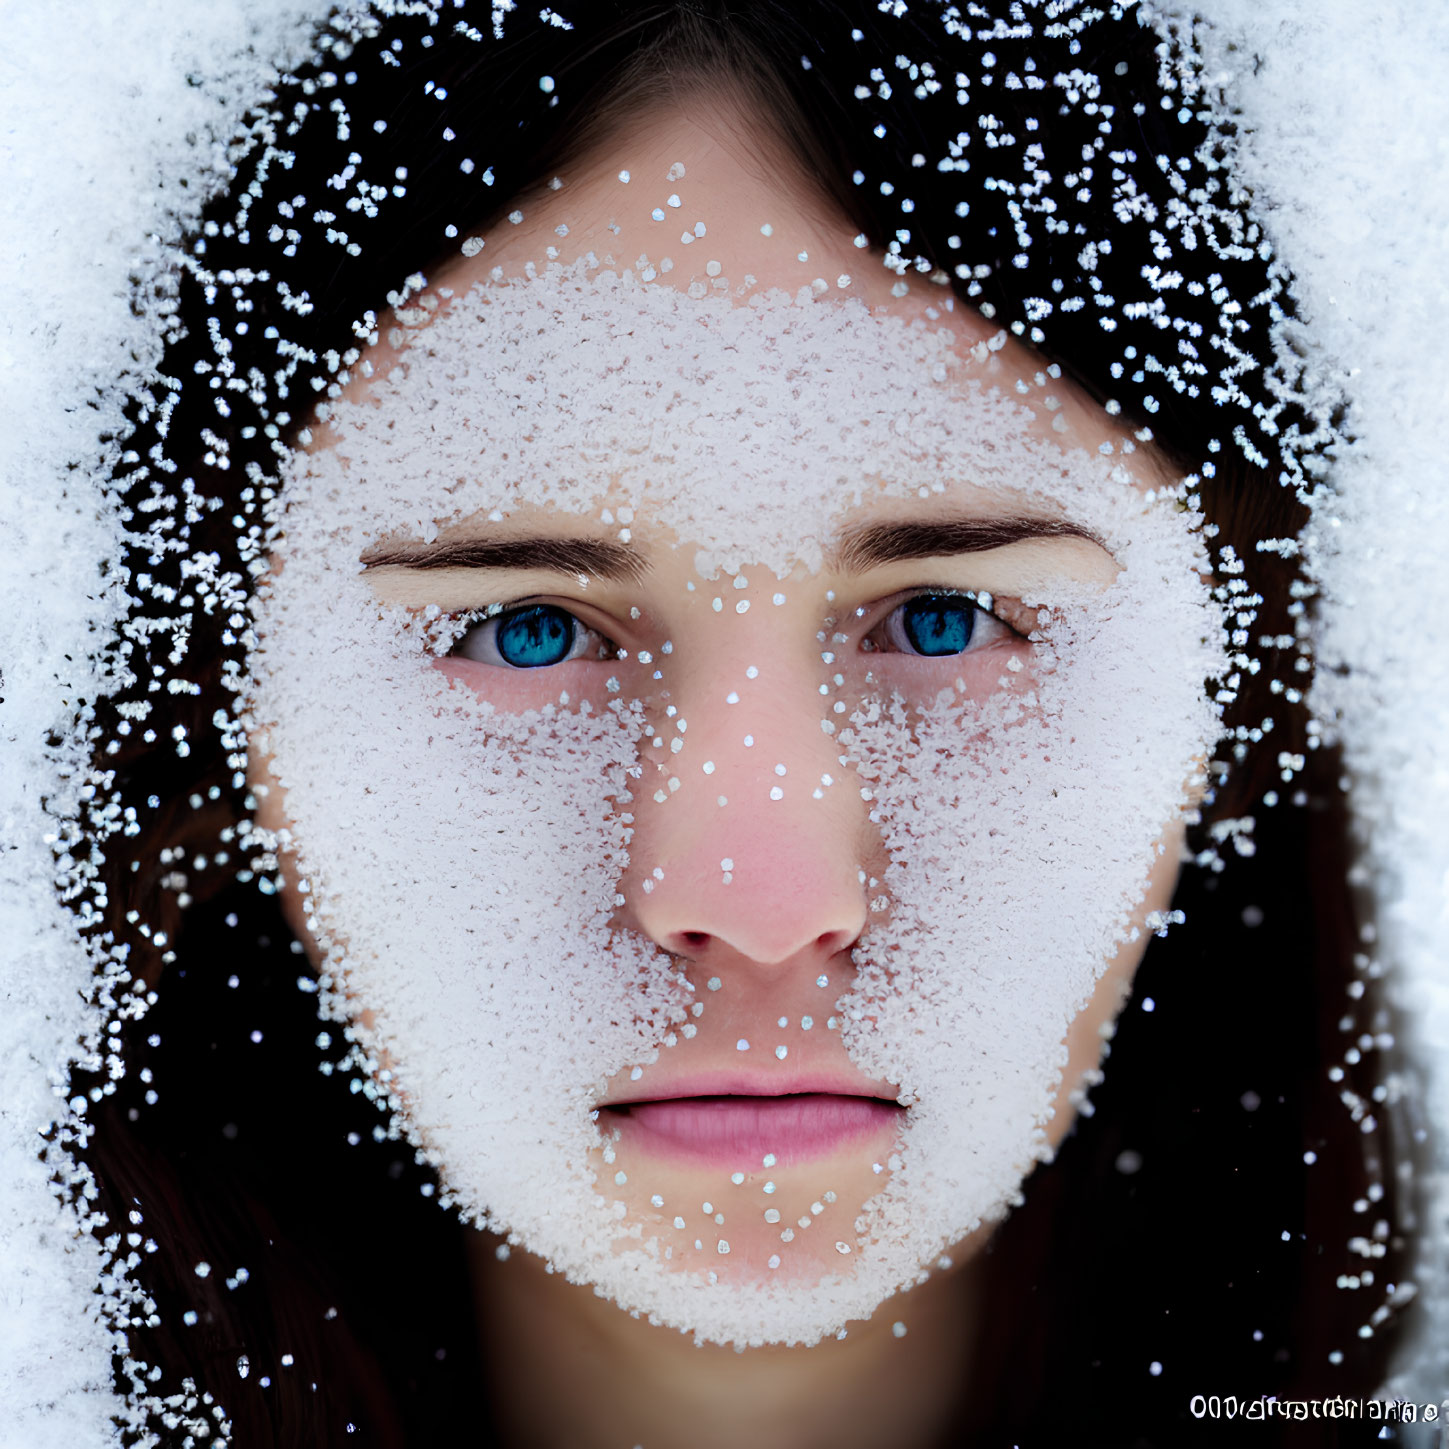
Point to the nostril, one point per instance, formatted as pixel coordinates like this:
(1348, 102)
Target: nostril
(694, 941)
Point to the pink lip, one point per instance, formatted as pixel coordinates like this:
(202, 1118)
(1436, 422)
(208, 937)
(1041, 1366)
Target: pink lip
(740, 1131)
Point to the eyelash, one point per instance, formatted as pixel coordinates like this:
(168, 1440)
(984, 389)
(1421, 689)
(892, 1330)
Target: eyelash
(539, 626)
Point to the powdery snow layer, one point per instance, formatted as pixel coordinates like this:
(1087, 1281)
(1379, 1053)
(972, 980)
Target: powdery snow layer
(112, 118)
(1346, 140)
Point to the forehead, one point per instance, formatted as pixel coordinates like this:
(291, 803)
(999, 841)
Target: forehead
(678, 327)
(752, 429)
(700, 197)
(701, 200)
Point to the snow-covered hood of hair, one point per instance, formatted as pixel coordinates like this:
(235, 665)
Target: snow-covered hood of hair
(1342, 143)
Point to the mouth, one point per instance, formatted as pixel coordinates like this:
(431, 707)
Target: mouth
(740, 1131)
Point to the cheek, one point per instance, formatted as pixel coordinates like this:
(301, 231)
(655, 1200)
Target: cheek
(463, 862)
(1021, 831)
(1006, 665)
(517, 691)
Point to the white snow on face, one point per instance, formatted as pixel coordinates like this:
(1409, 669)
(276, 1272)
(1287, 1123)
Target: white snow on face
(495, 877)
(1018, 827)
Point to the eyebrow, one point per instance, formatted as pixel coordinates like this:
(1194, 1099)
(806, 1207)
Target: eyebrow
(570, 556)
(869, 546)
(875, 544)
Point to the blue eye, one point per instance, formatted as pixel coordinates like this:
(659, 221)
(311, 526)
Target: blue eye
(534, 636)
(938, 624)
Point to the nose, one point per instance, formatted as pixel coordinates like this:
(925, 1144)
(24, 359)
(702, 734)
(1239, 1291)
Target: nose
(759, 851)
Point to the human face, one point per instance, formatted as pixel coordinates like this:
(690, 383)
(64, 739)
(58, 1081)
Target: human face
(749, 743)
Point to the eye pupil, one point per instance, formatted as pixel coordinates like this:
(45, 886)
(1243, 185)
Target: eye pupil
(937, 624)
(536, 636)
